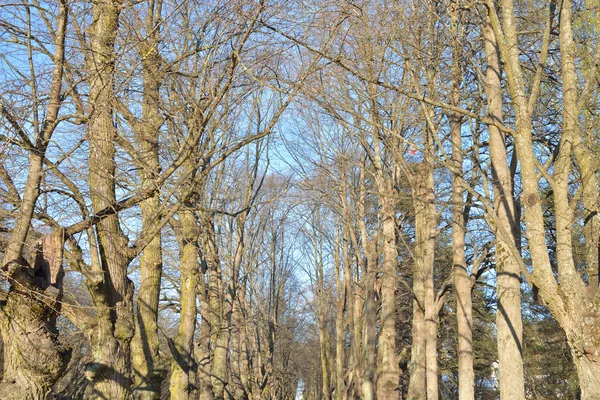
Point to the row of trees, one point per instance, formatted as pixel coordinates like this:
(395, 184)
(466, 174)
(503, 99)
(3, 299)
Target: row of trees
(342, 199)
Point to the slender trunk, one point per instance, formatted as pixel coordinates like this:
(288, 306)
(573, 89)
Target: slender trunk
(183, 358)
(353, 302)
(358, 306)
(424, 329)
(340, 336)
(324, 348)
(369, 325)
(389, 370)
(218, 318)
(340, 326)
(236, 346)
(462, 281)
(508, 273)
(202, 353)
(148, 373)
(16, 243)
(431, 329)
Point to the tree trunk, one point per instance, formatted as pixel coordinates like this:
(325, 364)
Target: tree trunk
(183, 365)
(202, 353)
(423, 343)
(112, 294)
(508, 273)
(389, 370)
(324, 348)
(34, 359)
(369, 325)
(462, 281)
(147, 371)
(218, 318)
(340, 326)
(588, 372)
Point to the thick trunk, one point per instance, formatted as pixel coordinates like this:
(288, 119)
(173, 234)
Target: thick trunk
(588, 372)
(110, 367)
(183, 365)
(34, 359)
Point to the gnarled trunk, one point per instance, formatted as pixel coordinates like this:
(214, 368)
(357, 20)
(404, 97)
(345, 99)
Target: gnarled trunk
(34, 359)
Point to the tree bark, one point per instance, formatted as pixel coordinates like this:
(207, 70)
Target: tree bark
(424, 345)
(218, 319)
(462, 281)
(389, 370)
(113, 291)
(148, 372)
(183, 361)
(34, 359)
(340, 325)
(508, 273)
(202, 351)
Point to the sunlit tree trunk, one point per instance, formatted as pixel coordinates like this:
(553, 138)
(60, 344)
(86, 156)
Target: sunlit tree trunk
(147, 371)
(419, 368)
(508, 273)
(113, 291)
(388, 371)
(34, 359)
(202, 350)
(340, 326)
(575, 311)
(218, 319)
(183, 347)
(462, 281)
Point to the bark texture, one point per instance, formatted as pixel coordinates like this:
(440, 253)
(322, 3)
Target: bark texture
(34, 359)
(112, 291)
(462, 281)
(148, 372)
(182, 368)
(419, 368)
